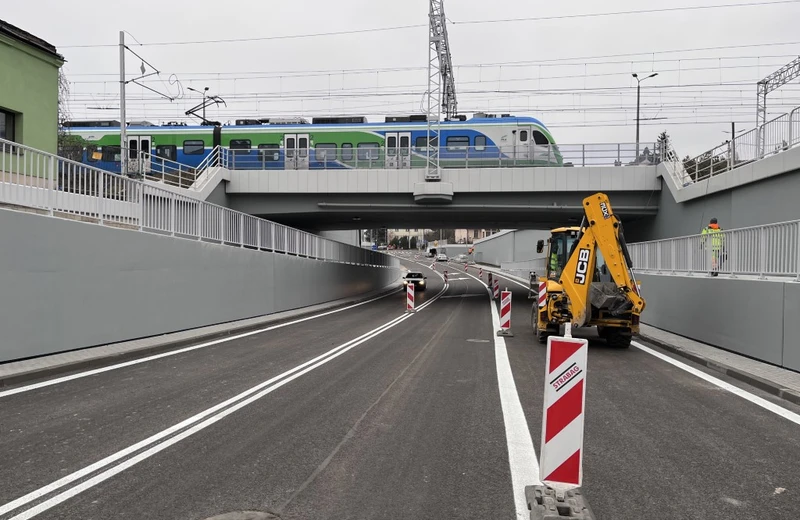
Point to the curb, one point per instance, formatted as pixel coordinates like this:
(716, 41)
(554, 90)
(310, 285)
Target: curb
(759, 382)
(114, 358)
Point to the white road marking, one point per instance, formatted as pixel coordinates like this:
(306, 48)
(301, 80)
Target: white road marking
(522, 461)
(238, 402)
(92, 372)
(744, 394)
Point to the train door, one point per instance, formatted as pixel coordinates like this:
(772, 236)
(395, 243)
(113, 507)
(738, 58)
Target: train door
(296, 151)
(398, 150)
(523, 144)
(139, 149)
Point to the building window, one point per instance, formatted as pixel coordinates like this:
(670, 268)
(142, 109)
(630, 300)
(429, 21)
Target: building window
(7, 125)
(194, 147)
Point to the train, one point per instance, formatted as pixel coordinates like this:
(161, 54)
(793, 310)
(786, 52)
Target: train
(345, 142)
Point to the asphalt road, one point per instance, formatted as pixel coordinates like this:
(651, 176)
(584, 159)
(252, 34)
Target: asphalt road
(404, 422)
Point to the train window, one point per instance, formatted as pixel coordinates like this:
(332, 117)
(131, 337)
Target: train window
(302, 145)
(290, 146)
(457, 143)
(269, 152)
(480, 143)
(194, 147)
(167, 151)
(419, 144)
(523, 136)
(391, 146)
(367, 151)
(347, 152)
(539, 138)
(92, 155)
(404, 142)
(325, 152)
(240, 146)
(112, 154)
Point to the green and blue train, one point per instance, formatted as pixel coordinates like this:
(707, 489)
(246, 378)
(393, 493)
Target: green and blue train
(325, 142)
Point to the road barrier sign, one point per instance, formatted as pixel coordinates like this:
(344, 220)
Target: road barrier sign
(490, 280)
(466, 266)
(496, 288)
(562, 421)
(410, 297)
(445, 277)
(505, 314)
(480, 272)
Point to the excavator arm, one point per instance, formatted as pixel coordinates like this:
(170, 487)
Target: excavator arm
(601, 231)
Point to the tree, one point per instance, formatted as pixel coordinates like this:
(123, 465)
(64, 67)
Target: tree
(404, 242)
(395, 242)
(69, 146)
(413, 243)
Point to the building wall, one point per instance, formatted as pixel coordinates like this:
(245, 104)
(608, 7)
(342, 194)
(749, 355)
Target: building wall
(517, 246)
(68, 284)
(29, 85)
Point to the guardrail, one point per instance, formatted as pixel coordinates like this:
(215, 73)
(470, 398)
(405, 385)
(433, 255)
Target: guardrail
(764, 251)
(322, 157)
(772, 137)
(61, 187)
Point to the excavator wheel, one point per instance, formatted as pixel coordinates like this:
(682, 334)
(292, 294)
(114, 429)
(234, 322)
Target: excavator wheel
(541, 336)
(616, 337)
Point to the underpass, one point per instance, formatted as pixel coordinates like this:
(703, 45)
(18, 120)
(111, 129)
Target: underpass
(368, 411)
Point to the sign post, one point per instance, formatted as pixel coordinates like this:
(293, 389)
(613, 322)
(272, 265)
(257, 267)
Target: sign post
(561, 463)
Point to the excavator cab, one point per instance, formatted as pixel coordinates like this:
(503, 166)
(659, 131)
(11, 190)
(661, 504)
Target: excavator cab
(561, 244)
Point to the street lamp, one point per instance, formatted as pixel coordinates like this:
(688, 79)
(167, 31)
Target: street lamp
(638, 91)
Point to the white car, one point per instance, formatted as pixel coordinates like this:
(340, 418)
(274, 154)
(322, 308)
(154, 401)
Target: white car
(441, 257)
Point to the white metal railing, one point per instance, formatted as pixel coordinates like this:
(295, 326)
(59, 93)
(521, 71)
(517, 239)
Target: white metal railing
(322, 157)
(772, 137)
(61, 187)
(771, 250)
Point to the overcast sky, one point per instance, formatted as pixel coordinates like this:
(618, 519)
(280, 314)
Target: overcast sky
(572, 73)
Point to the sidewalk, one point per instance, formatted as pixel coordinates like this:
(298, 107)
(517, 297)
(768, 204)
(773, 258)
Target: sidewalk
(775, 380)
(94, 357)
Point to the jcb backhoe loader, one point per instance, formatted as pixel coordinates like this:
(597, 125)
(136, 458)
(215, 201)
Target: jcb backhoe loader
(589, 278)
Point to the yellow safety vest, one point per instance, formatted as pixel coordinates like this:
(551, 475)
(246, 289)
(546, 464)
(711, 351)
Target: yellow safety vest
(716, 238)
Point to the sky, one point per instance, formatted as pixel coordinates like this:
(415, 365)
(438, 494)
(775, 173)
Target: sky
(568, 64)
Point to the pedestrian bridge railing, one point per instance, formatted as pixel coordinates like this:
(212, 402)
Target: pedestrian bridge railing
(767, 251)
(57, 186)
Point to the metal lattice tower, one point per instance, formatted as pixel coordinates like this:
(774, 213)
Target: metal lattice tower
(441, 85)
(775, 80)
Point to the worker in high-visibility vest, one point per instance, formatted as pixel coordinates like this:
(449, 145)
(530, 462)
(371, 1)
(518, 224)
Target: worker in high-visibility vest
(717, 239)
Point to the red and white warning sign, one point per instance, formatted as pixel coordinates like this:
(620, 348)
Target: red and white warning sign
(496, 294)
(410, 297)
(445, 276)
(542, 293)
(480, 272)
(562, 421)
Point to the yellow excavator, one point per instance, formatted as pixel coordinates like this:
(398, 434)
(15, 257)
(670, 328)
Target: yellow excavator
(589, 279)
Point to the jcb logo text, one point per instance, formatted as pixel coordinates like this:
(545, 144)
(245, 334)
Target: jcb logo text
(583, 266)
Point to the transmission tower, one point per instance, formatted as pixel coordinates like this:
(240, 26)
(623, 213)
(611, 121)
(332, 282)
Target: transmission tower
(441, 85)
(775, 80)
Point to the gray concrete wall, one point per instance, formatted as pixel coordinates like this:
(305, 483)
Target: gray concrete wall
(347, 236)
(766, 201)
(68, 284)
(513, 246)
(728, 314)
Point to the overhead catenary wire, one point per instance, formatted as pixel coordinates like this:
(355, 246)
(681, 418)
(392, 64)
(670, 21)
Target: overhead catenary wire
(454, 22)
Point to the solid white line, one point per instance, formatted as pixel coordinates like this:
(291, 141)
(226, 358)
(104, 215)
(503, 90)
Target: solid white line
(522, 461)
(238, 402)
(92, 372)
(744, 394)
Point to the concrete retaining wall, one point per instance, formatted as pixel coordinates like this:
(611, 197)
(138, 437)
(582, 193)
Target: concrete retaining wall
(751, 317)
(510, 246)
(68, 284)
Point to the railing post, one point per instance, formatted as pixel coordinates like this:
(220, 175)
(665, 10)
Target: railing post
(673, 256)
(797, 256)
(762, 253)
(101, 181)
(658, 256)
(51, 195)
(258, 234)
(583, 155)
(140, 190)
(690, 257)
(241, 229)
(172, 214)
(199, 220)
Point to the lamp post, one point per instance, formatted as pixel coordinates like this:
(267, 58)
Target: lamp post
(638, 95)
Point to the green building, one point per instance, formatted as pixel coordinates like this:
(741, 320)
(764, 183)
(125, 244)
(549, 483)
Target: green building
(28, 89)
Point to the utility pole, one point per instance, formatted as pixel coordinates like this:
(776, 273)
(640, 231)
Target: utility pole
(123, 131)
(638, 96)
